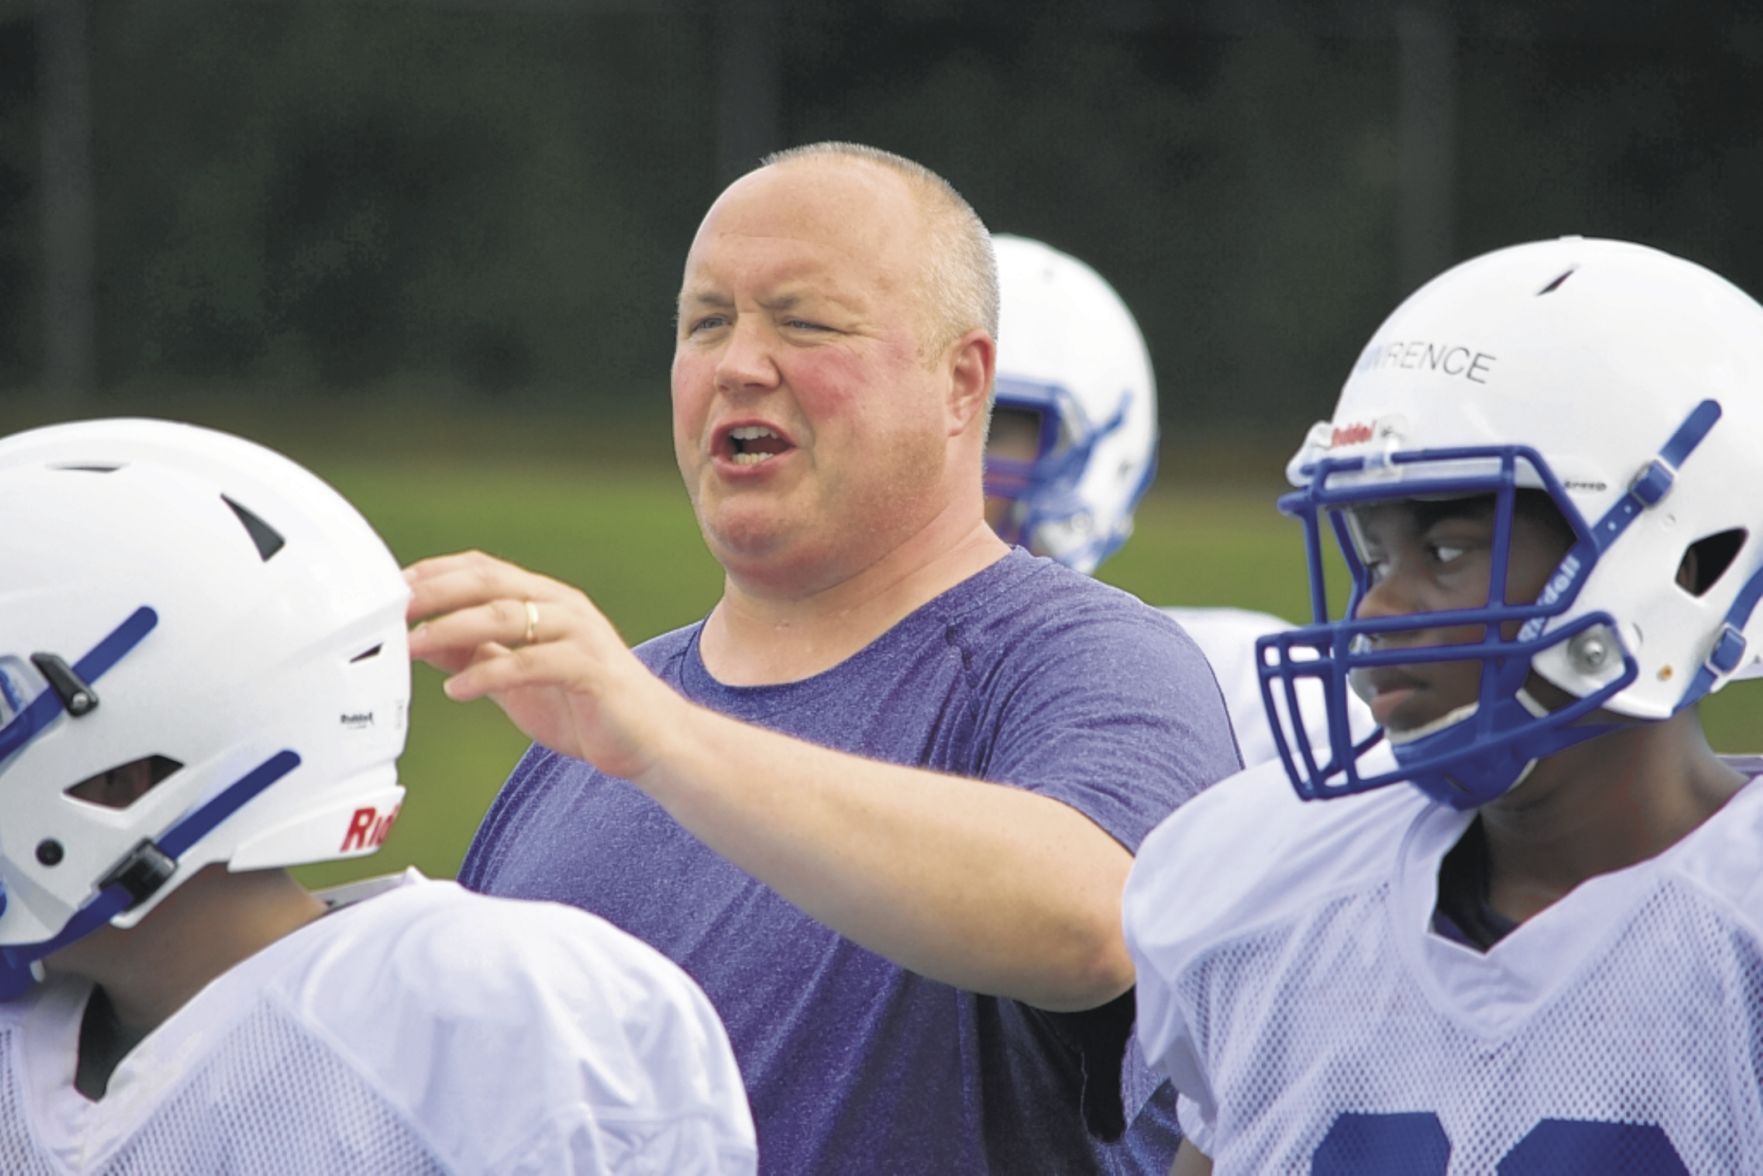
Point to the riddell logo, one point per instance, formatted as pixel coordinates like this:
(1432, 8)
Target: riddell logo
(1561, 581)
(357, 720)
(367, 829)
(1558, 585)
(1356, 434)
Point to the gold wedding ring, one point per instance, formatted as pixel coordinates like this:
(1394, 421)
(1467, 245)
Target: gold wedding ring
(532, 623)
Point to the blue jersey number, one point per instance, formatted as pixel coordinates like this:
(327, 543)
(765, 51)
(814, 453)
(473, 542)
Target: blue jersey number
(1415, 1145)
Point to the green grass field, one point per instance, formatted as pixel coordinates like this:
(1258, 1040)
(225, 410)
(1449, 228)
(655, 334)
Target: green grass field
(622, 530)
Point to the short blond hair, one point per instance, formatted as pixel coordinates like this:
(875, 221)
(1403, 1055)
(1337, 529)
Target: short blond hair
(961, 272)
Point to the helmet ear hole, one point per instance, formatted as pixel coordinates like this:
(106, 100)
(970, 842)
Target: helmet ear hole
(121, 786)
(1708, 558)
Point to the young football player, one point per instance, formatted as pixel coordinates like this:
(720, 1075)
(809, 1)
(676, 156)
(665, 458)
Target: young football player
(204, 680)
(1540, 951)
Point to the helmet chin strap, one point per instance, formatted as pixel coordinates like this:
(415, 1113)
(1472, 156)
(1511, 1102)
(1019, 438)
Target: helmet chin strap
(1537, 710)
(1474, 773)
(1450, 718)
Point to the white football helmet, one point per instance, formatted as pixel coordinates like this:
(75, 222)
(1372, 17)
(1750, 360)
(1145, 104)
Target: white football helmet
(188, 600)
(1070, 354)
(1625, 383)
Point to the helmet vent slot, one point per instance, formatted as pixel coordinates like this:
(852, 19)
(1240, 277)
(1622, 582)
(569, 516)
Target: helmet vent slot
(1560, 280)
(366, 655)
(267, 538)
(1707, 559)
(92, 468)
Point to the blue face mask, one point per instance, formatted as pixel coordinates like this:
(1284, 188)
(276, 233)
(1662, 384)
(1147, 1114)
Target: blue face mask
(1482, 754)
(1043, 490)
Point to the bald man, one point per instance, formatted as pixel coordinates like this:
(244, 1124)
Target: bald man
(880, 803)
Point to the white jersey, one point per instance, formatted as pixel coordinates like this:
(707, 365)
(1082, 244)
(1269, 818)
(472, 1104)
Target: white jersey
(1227, 637)
(1290, 982)
(424, 1030)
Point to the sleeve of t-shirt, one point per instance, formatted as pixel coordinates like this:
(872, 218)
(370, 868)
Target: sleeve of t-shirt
(483, 857)
(1109, 707)
(1227, 636)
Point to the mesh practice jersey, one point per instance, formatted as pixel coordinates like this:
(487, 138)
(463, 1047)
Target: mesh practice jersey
(1290, 983)
(423, 1030)
(1227, 637)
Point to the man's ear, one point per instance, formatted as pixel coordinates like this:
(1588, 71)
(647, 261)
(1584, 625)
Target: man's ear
(973, 360)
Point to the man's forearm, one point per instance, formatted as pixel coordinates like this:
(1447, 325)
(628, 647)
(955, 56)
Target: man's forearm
(982, 886)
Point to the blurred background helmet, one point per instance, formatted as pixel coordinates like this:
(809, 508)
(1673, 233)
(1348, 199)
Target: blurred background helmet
(1073, 442)
(199, 611)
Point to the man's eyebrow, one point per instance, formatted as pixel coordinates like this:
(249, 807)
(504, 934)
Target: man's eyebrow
(776, 304)
(703, 297)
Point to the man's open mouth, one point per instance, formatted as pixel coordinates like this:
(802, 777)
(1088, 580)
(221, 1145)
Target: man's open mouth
(752, 444)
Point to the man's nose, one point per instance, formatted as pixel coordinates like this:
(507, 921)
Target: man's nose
(747, 361)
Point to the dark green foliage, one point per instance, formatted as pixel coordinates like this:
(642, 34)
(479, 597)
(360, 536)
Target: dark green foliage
(493, 200)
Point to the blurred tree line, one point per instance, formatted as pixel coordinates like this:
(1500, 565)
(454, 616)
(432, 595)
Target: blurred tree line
(477, 199)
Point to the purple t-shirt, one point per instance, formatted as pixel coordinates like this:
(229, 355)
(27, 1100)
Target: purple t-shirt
(1027, 674)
